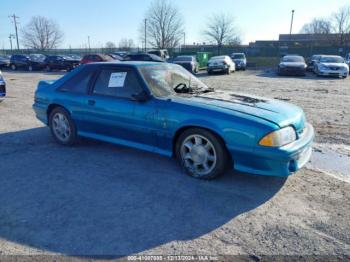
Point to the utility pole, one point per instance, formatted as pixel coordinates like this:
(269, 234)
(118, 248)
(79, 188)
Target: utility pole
(291, 26)
(145, 35)
(89, 43)
(11, 36)
(15, 22)
(184, 39)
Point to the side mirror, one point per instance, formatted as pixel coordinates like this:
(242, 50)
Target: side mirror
(140, 97)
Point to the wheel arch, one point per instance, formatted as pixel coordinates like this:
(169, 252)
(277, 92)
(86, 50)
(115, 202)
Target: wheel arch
(209, 129)
(52, 106)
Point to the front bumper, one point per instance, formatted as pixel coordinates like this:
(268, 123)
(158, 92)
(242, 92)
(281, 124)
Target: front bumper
(336, 73)
(269, 161)
(292, 70)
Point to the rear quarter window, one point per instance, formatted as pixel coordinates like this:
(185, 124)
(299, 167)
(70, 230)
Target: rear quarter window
(79, 83)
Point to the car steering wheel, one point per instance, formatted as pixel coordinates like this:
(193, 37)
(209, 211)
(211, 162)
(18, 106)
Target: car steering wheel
(181, 88)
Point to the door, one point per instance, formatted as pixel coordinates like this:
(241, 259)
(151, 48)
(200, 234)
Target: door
(113, 112)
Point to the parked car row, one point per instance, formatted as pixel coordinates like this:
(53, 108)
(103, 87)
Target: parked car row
(321, 65)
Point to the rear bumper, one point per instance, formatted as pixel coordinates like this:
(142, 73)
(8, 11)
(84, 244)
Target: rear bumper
(2, 90)
(280, 162)
(217, 68)
(41, 112)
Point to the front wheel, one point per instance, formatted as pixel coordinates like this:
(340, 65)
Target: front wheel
(13, 67)
(62, 126)
(201, 153)
(30, 68)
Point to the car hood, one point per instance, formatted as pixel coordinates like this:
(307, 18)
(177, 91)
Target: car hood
(182, 62)
(334, 64)
(271, 110)
(239, 60)
(293, 64)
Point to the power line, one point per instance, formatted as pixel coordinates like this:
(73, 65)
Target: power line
(15, 22)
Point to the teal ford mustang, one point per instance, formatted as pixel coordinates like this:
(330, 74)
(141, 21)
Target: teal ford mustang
(162, 108)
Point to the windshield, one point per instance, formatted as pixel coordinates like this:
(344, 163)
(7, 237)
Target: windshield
(217, 58)
(237, 56)
(169, 79)
(293, 59)
(332, 59)
(36, 57)
(183, 58)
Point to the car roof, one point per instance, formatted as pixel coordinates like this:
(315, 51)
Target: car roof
(128, 63)
(331, 56)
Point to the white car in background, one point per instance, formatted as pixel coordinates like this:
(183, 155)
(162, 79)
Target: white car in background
(331, 65)
(221, 64)
(347, 59)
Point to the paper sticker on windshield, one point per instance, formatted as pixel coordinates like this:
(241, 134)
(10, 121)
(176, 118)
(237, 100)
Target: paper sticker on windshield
(117, 79)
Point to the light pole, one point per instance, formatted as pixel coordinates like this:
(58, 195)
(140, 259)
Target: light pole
(15, 22)
(291, 25)
(145, 35)
(184, 39)
(11, 36)
(89, 43)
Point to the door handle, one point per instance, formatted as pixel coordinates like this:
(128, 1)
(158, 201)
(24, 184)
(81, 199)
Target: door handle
(91, 102)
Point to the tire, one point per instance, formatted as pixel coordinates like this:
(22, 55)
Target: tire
(228, 71)
(62, 126)
(13, 67)
(210, 158)
(47, 68)
(210, 72)
(30, 68)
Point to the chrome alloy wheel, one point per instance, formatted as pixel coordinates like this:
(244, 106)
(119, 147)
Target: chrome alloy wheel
(61, 127)
(198, 155)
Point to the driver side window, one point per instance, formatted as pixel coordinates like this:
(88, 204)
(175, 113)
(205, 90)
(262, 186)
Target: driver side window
(121, 83)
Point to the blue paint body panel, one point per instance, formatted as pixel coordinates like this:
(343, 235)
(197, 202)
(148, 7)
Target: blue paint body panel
(152, 125)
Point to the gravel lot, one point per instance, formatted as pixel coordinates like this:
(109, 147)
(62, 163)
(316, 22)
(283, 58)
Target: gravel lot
(101, 199)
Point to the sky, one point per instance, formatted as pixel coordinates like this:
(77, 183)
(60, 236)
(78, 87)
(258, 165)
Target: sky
(112, 20)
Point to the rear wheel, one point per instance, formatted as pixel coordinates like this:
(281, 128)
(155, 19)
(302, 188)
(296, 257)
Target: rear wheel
(201, 153)
(62, 126)
(30, 68)
(13, 67)
(47, 68)
(228, 71)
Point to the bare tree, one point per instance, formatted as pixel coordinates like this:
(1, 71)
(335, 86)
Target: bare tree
(317, 26)
(126, 44)
(164, 25)
(341, 23)
(42, 33)
(221, 29)
(110, 45)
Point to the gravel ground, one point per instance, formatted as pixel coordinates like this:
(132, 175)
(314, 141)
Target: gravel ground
(102, 199)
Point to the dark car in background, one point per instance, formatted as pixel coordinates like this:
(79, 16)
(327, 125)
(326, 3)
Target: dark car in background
(2, 87)
(116, 57)
(143, 57)
(93, 58)
(312, 61)
(188, 62)
(4, 61)
(240, 61)
(27, 62)
(292, 65)
(60, 62)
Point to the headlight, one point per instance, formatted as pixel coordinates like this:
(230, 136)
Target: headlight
(279, 138)
(323, 67)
